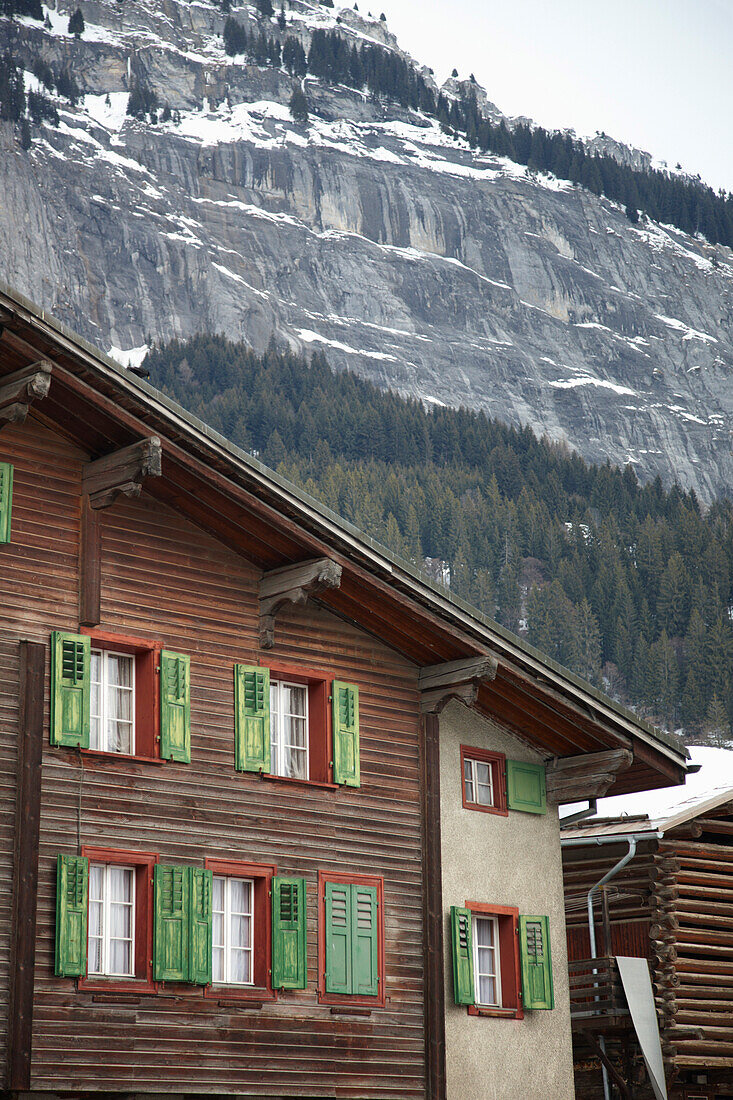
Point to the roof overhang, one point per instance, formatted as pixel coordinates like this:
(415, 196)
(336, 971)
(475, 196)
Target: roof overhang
(102, 407)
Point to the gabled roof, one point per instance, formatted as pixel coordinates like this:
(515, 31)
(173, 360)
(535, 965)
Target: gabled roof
(704, 793)
(102, 407)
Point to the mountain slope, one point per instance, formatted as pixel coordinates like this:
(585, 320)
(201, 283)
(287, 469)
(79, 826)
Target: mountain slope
(447, 275)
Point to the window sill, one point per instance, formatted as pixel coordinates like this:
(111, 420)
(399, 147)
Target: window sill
(499, 811)
(299, 782)
(346, 1000)
(102, 754)
(499, 1013)
(344, 1011)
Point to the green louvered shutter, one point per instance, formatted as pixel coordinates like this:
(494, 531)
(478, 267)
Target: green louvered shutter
(200, 925)
(534, 951)
(71, 656)
(252, 717)
(72, 892)
(338, 938)
(175, 707)
(171, 934)
(525, 787)
(289, 969)
(6, 500)
(346, 768)
(462, 941)
(364, 941)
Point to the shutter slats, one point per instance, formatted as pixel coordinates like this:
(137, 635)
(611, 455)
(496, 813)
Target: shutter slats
(175, 706)
(6, 500)
(72, 891)
(171, 910)
(289, 964)
(252, 718)
(365, 966)
(462, 949)
(200, 925)
(536, 961)
(346, 763)
(70, 689)
(338, 938)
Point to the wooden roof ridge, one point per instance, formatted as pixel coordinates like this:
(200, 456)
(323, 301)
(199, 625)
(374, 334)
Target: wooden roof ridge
(131, 404)
(687, 811)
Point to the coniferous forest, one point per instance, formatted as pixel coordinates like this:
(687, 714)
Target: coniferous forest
(629, 585)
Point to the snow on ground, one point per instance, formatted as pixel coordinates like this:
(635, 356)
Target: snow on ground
(586, 380)
(715, 776)
(689, 333)
(110, 111)
(310, 337)
(132, 357)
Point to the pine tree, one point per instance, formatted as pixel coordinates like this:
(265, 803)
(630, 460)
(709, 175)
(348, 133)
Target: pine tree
(265, 8)
(298, 105)
(281, 20)
(76, 24)
(25, 134)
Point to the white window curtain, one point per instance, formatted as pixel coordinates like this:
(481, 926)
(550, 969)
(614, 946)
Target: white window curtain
(111, 937)
(112, 702)
(486, 960)
(233, 931)
(289, 729)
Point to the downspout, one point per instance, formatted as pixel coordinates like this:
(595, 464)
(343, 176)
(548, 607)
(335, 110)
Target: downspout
(632, 842)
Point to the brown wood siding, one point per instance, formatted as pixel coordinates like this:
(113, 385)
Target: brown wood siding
(629, 938)
(162, 578)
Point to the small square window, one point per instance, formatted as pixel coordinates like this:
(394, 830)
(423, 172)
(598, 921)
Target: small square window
(483, 780)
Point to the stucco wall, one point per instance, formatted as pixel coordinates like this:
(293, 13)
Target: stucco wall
(515, 861)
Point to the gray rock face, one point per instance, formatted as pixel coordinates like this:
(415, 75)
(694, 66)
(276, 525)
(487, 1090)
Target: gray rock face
(368, 234)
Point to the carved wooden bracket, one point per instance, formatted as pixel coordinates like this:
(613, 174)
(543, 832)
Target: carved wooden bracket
(454, 680)
(293, 584)
(576, 778)
(19, 390)
(122, 472)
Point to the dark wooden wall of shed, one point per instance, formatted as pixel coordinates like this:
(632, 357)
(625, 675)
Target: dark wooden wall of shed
(164, 579)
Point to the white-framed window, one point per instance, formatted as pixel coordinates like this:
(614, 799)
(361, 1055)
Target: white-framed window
(113, 702)
(233, 931)
(478, 782)
(486, 968)
(111, 937)
(289, 729)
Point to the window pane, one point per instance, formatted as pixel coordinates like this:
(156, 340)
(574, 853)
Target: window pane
(96, 874)
(241, 962)
(119, 670)
(487, 991)
(239, 891)
(217, 964)
(120, 883)
(218, 901)
(295, 699)
(295, 763)
(485, 933)
(483, 773)
(120, 957)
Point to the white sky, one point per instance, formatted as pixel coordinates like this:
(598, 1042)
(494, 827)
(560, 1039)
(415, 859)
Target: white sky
(653, 73)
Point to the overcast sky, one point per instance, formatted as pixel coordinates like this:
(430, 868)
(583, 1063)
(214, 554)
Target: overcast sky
(657, 74)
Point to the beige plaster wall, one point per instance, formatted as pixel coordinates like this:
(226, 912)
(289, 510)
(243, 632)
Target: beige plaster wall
(515, 861)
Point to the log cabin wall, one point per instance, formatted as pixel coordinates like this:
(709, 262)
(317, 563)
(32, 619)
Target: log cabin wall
(163, 579)
(692, 934)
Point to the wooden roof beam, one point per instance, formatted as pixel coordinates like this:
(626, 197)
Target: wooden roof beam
(122, 472)
(454, 680)
(19, 390)
(575, 778)
(293, 584)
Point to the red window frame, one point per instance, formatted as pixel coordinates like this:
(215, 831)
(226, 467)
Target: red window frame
(147, 693)
(509, 961)
(497, 763)
(143, 862)
(320, 734)
(325, 998)
(262, 874)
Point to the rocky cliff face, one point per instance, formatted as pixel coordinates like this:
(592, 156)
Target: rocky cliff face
(366, 233)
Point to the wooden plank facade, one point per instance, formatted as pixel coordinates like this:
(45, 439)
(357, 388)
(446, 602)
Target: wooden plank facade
(167, 555)
(673, 905)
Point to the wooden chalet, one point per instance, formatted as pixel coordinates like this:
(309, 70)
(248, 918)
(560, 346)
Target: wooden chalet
(672, 905)
(242, 747)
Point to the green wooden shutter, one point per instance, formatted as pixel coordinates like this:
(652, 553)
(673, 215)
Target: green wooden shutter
(71, 656)
(289, 970)
(338, 938)
(6, 500)
(364, 941)
(171, 912)
(200, 925)
(175, 706)
(72, 893)
(534, 951)
(252, 718)
(525, 787)
(462, 940)
(346, 768)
